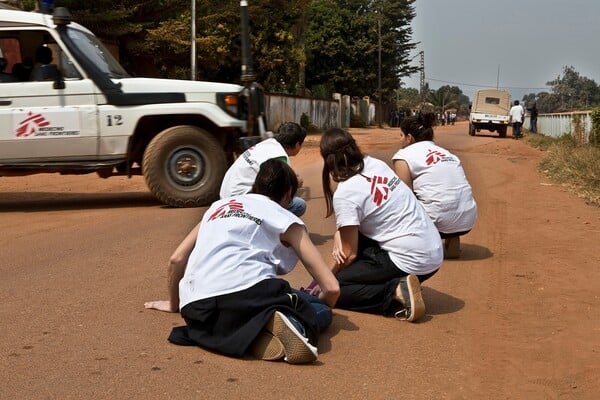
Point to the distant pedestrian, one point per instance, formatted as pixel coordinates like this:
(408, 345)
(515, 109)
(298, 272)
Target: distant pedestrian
(516, 117)
(533, 115)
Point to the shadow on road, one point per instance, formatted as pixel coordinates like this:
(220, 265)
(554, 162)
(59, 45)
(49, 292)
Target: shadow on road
(44, 201)
(471, 252)
(340, 323)
(439, 303)
(319, 239)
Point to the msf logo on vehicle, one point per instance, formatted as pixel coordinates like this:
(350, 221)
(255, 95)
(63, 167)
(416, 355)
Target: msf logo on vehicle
(31, 125)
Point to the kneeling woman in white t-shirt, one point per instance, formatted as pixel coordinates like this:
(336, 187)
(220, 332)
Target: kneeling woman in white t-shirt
(223, 276)
(385, 243)
(438, 180)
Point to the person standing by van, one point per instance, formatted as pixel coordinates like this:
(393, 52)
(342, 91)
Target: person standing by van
(533, 114)
(516, 117)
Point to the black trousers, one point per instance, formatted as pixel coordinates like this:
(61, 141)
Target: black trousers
(228, 324)
(369, 283)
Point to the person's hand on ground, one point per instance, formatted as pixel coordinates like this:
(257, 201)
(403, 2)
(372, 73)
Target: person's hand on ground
(160, 305)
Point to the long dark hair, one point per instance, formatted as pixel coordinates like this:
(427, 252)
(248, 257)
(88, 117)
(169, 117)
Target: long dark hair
(342, 159)
(420, 126)
(274, 179)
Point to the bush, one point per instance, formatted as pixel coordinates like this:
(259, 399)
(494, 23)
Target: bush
(305, 121)
(356, 121)
(595, 131)
(572, 165)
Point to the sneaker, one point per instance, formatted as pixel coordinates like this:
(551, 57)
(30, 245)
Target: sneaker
(409, 294)
(267, 347)
(452, 247)
(297, 349)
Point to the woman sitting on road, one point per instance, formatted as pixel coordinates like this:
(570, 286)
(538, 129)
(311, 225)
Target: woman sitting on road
(437, 179)
(385, 243)
(223, 276)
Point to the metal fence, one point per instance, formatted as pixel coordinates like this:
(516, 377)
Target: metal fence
(577, 124)
(322, 114)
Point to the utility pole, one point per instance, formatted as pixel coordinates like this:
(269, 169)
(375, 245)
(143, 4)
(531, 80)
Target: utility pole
(422, 65)
(498, 77)
(380, 97)
(254, 92)
(193, 44)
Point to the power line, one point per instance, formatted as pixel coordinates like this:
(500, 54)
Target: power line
(476, 85)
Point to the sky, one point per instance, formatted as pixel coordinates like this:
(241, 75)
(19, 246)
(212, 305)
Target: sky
(512, 44)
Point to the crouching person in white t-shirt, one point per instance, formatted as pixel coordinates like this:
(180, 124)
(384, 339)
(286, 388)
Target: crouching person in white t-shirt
(223, 276)
(438, 180)
(385, 244)
(287, 143)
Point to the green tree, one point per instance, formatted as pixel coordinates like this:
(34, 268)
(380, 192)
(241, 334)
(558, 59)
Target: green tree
(447, 97)
(573, 91)
(342, 45)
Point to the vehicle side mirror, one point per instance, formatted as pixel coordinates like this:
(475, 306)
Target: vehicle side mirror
(59, 82)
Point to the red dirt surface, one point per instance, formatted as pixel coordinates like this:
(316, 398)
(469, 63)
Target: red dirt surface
(516, 317)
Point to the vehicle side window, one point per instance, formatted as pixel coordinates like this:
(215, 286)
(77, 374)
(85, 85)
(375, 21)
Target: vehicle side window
(10, 54)
(33, 55)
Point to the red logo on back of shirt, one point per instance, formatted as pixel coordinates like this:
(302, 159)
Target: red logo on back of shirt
(433, 157)
(379, 189)
(29, 125)
(230, 205)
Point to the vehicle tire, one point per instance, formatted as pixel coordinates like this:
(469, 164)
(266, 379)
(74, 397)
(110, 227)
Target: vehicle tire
(184, 166)
(471, 130)
(502, 131)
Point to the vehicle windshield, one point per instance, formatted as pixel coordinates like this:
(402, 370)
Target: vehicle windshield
(99, 55)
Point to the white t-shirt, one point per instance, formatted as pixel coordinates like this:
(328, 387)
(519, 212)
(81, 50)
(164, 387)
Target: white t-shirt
(238, 245)
(385, 210)
(240, 177)
(440, 184)
(516, 113)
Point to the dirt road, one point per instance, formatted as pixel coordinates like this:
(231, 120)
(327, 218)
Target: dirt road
(516, 317)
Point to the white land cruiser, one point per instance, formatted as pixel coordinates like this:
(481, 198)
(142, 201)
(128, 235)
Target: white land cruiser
(82, 113)
(490, 111)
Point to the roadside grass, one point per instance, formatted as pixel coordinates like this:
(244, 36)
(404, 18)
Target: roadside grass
(571, 165)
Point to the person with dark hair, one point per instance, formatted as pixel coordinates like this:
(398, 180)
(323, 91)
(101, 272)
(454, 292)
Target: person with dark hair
(385, 244)
(438, 180)
(286, 143)
(533, 116)
(223, 276)
(43, 70)
(517, 114)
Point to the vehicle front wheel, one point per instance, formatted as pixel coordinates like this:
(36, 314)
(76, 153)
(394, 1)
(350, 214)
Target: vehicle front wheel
(471, 130)
(184, 166)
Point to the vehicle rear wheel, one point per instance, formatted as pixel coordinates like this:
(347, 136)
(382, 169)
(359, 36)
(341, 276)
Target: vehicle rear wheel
(471, 130)
(502, 131)
(184, 166)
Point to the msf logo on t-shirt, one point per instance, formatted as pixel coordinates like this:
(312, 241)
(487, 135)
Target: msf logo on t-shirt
(433, 157)
(233, 209)
(222, 210)
(379, 189)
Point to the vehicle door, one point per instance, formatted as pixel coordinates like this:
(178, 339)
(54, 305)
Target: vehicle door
(40, 120)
